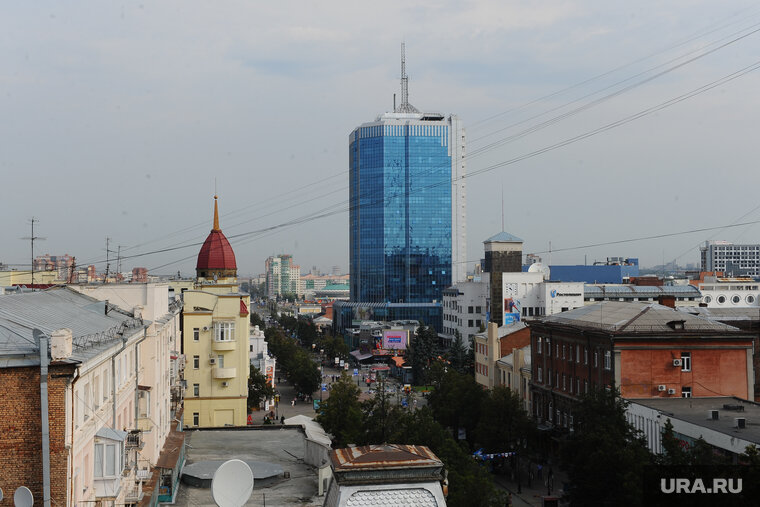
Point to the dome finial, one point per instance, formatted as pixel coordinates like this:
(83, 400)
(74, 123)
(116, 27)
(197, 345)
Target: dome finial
(216, 215)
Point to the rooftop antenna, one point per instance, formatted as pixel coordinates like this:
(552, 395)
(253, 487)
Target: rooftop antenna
(405, 106)
(108, 259)
(502, 206)
(32, 238)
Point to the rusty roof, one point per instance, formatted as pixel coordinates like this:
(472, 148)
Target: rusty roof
(370, 457)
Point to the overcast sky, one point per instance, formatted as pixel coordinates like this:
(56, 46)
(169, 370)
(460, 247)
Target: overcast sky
(116, 121)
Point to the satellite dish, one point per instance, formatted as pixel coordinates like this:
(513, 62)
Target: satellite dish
(23, 497)
(232, 484)
(538, 267)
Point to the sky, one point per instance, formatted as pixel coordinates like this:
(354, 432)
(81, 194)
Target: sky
(121, 121)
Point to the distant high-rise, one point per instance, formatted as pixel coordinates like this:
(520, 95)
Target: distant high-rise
(407, 205)
(283, 277)
(733, 260)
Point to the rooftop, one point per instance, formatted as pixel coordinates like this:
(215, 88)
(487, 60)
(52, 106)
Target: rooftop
(503, 237)
(92, 328)
(639, 291)
(696, 410)
(625, 318)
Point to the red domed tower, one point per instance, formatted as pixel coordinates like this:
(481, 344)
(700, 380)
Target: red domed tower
(216, 259)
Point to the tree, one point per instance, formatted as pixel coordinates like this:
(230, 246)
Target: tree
(503, 421)
(456, 402)
(458, 353)
(380, 416)
(256, 320)
(422, 350)
(258, 388)
(340, 414)
(605, 457)
(674, 451)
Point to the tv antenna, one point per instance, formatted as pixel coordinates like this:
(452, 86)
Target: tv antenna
(405, 106)
(232, 484)
(32, 238)
(108, 259)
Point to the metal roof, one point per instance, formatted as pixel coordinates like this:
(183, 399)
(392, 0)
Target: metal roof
(648, 291)
(58, 308)
(623, 317)
(504, 237)
(370, 457)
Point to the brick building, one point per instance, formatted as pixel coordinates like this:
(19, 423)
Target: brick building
(648, 350)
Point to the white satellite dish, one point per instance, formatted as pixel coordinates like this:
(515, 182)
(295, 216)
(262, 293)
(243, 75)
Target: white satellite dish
(232, 484)
(23, 497)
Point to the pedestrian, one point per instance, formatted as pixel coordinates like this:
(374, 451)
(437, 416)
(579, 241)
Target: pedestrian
(293, 402)
(282, 419)
(540, 471)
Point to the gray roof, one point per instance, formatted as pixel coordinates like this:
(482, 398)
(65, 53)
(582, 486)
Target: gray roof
(504, 237)
(624, 318)
(724, 314)
(59, 308)
(695, 410)
(639, 291)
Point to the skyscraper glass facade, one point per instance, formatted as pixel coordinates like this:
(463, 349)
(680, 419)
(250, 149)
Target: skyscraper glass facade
(401, 209)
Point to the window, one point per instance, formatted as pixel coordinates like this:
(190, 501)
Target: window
(548, 347)
(196, 419)
(96, 398)
(596, 358)
(196, 389)
(551, 412)
(478, 309)
(585, 385)
(577, 353)
(509, 380)
(196, 362)
(540, 375)
(557, 351)
(578, 385)
(539, 345)
(469, 309)
(685, 361)
(563, 351)
(196, 334)
(469, 323)
(107, 461)
(549, 377)
(557, 379)
(105, 385)
(585, 355)
(607, 360)
(224, 331)
(564, 382)
(686, 392)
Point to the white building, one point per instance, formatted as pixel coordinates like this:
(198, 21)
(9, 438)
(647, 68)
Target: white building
(721, 292)
(260, 358)
(730, 259)
(528, 294)
(464, 310)
(109, 397)
(726, 423)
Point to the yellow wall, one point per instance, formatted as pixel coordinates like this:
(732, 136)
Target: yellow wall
(204, 307)
(8, 278)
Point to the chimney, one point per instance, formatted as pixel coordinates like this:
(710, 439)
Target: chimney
(665, 300)
(60, 344)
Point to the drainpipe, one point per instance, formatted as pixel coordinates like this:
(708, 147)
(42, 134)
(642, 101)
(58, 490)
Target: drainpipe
(113, 380)
(43, 341)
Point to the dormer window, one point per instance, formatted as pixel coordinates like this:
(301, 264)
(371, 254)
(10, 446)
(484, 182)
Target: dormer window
(677, 325)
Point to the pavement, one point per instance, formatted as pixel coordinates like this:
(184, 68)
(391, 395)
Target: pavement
(531, 496)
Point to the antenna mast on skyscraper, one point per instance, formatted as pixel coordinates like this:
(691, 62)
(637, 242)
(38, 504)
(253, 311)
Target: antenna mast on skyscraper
(405, 106)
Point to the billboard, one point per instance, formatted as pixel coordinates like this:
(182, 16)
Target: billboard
(512, 310)
(395, 339)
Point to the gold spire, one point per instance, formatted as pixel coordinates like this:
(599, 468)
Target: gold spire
(216, 215)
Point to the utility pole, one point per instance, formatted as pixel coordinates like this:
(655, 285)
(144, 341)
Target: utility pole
(32, 238)
(118, 262)
(108, 259)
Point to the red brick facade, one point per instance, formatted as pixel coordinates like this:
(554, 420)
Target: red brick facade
(21, 431)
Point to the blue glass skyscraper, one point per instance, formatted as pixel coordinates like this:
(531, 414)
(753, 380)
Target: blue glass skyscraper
(407, 206)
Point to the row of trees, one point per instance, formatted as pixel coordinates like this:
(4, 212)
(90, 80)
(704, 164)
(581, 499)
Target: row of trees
(424, 352)
(302, 372)
(381, 420)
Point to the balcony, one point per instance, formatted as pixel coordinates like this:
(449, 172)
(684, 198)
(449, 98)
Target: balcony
(134, 440)
(224, 372)
(223, 345)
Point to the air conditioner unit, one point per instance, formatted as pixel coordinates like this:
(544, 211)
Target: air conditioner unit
(211, 360)
(676, 362)
(671, 391)
(662, 387)
(225, 384)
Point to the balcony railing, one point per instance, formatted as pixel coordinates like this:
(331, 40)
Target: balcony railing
(134, 439)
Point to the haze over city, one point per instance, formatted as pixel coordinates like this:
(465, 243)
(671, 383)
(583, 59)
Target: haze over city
(123, 121)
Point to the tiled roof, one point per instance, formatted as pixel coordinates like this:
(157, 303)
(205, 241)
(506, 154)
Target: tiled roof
(416, 497)
(216, 253)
